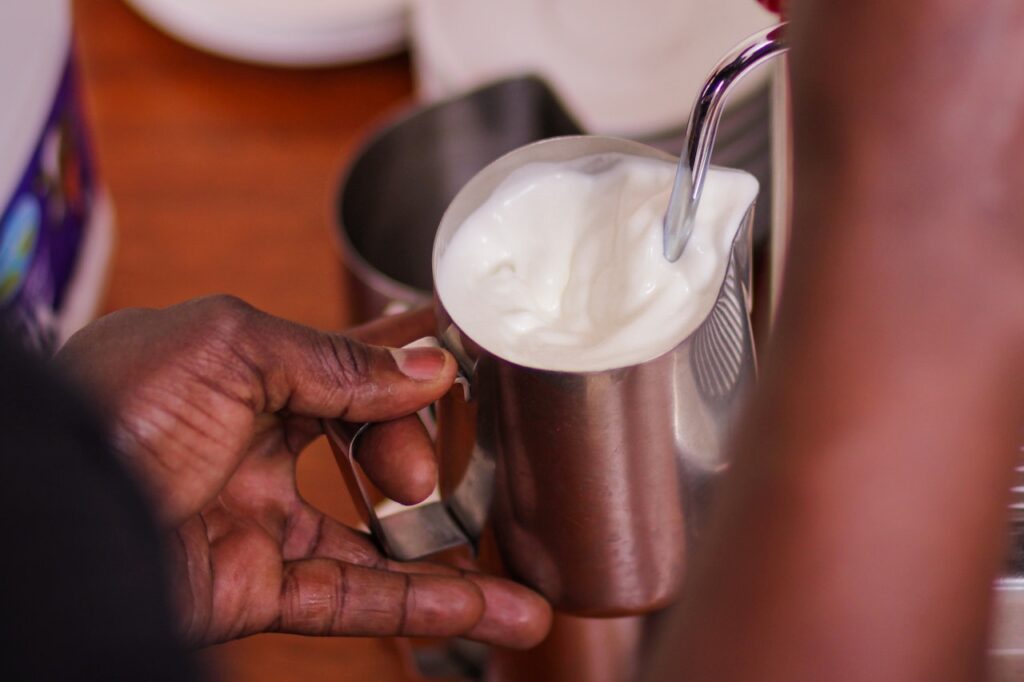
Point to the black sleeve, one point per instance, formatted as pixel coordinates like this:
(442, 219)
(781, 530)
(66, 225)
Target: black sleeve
(82, 588)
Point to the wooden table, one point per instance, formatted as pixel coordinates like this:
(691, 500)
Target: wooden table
(222, 177)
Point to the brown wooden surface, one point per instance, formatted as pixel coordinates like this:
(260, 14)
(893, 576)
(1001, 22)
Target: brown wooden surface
(222, 176)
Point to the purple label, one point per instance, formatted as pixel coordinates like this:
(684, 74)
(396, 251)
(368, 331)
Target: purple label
(42, 227)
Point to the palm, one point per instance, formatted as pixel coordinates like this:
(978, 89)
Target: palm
(231, 557)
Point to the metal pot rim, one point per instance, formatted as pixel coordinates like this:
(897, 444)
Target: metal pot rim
(623, 146)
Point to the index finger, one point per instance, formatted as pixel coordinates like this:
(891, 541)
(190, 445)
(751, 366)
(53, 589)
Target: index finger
(398, 455)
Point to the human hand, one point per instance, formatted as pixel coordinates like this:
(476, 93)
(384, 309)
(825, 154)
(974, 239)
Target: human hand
(211, 403)
(894, 367)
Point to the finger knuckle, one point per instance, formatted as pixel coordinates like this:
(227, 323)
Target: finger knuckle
(227, 306)
(225, 316)
(348, 361)
(313, 606)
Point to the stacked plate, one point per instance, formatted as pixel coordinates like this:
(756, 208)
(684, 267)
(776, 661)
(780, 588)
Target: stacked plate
(630, 69)
(285, 32)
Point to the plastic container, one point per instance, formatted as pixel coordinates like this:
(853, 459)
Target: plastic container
(55, 225)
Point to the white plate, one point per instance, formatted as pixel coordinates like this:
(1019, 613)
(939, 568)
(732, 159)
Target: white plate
(284, 32)
(629, 68)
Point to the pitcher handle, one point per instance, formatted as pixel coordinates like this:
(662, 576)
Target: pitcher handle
(412, 533)
(407, 535)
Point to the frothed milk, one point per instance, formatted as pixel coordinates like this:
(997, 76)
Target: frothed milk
(562, 267)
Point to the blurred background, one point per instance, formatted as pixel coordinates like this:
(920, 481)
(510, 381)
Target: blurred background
(298, 154)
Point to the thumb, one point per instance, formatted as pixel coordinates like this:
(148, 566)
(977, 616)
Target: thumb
(325, 375)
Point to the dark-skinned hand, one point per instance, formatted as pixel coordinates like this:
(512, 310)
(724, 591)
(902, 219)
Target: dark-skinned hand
(212, 401)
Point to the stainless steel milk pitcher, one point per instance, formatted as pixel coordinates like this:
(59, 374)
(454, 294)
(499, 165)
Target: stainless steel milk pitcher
(591, 481)
(582, 474)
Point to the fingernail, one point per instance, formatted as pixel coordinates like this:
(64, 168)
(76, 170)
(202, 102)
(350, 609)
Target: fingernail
(421, 364)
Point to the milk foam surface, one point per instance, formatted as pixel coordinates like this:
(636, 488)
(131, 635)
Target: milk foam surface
(562, 267)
